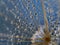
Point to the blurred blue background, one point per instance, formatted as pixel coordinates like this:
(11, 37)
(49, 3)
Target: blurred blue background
(23, 17)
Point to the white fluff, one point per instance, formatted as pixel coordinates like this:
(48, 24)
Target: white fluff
(38, 34)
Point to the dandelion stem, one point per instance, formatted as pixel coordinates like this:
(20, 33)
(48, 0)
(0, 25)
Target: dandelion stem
(45, 18)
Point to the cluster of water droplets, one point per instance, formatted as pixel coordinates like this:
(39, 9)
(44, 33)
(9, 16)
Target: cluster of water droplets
(20, 19)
